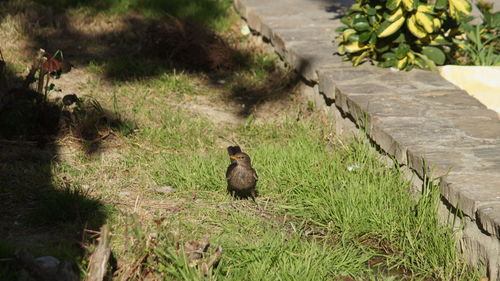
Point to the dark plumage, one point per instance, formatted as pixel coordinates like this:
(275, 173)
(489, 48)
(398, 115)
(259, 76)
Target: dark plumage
(241, 177)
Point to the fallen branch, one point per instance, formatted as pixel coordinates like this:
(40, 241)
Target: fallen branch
(19, 142)
(99, 259)
(214, 259)
(3, 75)
(37, 64)
(138, 263)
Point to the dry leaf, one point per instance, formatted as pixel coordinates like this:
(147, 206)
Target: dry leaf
(51, 65)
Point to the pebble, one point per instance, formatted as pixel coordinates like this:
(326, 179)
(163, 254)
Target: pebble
(48, 262)
(245, 30)
(164, 189)
(353, 167)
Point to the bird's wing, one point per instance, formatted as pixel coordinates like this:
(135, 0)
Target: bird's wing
(229, 170)
(255, 174)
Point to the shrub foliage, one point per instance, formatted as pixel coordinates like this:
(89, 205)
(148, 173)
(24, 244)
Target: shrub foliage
(401, 33)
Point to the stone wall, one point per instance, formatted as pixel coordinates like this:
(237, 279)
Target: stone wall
(425, 124)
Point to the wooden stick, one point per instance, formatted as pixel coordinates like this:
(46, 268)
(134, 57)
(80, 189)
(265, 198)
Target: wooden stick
(99, 259)
(37, 64)
(3, 75)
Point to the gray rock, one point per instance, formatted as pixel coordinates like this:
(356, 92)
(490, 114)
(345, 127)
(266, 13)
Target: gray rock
(164, 189)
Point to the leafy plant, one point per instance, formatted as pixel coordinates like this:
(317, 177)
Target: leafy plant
(401, 33)
(480, 44)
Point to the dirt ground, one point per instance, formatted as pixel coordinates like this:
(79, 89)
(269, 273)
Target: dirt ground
(123, 45)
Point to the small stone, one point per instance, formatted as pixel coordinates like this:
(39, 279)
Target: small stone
(164, 189)
(353, 167)
(123, 193)
(48, 262)
(70, 99)
(245, 30)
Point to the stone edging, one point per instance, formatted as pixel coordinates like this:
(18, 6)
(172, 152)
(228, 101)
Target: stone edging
(418, 118)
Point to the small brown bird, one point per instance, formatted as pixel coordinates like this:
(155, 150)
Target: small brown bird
(241, 177)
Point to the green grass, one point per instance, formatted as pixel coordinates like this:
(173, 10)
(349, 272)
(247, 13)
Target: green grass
(315, 219)
(480, 51)
(366, 215)
(212, 13)
(67, 206)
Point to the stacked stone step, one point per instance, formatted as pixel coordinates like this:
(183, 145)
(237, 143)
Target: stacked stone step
(423, 122)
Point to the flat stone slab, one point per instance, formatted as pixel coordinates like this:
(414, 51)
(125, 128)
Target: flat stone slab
(489, 217)
(418, 117)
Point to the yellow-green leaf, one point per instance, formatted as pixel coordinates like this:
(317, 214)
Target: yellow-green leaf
(338, 40)
(393, 4)
(354, 47)
(347, 33)
(402, 63)
(438, 40)
(341, 49)
(458, 7)
(437, 23)
(408, 4)
(359, 58)
(425, 20)
(395, 15)
(425, 8)
(414, 28)
(411, 57)
(388, 28)
(356, 8)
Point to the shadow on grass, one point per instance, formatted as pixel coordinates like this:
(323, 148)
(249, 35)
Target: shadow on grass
(337, 7)
(206, 12)
(38, 214)
(47, 216)
(182, 45)
(44, 215)
(139, 46)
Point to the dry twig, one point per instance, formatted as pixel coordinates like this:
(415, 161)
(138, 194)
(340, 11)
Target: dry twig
(99, 259)
(37, 64)
(3, 75)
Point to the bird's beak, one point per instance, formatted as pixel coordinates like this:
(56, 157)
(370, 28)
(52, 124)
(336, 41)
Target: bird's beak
(233, 157)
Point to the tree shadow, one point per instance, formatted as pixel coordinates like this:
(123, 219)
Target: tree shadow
(48, 215)
(39, 213)
(136, 47)
(276, 86)
(337, 7)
